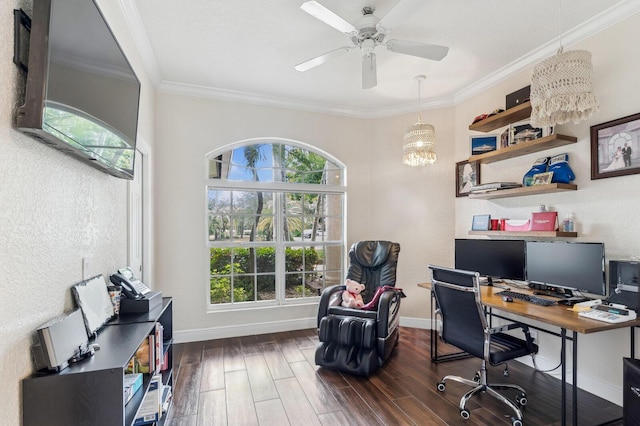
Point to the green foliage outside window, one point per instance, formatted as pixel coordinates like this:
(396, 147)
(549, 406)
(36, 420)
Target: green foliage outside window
(221, 286)
(265, 259)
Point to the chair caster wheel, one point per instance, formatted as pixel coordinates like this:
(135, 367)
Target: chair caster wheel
(465, 414)
(516, 422)
(522, 400)
(440, 386)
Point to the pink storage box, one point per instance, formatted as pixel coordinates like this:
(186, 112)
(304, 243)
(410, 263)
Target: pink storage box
(516, 225)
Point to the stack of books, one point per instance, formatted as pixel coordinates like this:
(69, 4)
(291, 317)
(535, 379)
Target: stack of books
(493, 186)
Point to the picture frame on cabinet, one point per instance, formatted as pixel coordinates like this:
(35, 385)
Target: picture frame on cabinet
(467, 176)
(615, 150)
(483, 144)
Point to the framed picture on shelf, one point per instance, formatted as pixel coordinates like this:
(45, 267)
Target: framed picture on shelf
(523, 131)
(467, 176)
(483, 144)
(614, 148)
(542, 178)
(481, 222)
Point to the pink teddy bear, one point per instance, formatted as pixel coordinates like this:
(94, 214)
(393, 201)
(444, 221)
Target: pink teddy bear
(351, 297)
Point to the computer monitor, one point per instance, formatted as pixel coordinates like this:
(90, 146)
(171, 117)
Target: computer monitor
(491, 258)
(565, 267)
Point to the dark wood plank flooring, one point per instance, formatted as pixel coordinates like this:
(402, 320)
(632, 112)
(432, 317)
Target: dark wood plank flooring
(272, 379)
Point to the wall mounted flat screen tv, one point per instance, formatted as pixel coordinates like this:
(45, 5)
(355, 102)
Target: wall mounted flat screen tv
(81, 93)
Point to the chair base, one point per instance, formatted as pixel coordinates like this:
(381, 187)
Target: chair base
(349, 344)
(480, 384)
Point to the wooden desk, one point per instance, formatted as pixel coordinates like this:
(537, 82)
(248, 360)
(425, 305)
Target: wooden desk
(555, 315)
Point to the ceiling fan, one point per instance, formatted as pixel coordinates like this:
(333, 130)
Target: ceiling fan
(367, 34)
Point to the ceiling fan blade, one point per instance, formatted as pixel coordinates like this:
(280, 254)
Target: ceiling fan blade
(369, 74)
(421, 50)
(320, 12)
(319, 60)
(399, 12)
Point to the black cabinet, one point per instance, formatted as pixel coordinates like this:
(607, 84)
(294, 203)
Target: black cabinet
(631, 391)
(90, 392)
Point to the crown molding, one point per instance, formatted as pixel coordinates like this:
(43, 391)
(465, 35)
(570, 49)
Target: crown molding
(611, 16)
(133, 21)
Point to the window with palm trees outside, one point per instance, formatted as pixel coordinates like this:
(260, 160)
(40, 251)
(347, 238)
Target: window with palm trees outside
(275, 214)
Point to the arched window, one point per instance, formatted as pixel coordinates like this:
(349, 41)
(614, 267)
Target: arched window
(275, 223)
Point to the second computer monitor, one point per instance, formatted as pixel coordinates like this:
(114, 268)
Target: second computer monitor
(565, 265)
(491, 258)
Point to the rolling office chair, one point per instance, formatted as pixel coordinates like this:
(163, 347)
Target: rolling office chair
(464, 325)
(359, 341)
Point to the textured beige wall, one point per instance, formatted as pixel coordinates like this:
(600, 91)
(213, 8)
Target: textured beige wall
(54, 210)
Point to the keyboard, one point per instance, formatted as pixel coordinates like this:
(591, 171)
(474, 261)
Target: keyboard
(527, 298)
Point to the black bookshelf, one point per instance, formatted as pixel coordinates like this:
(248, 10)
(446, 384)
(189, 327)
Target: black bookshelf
(90, 392)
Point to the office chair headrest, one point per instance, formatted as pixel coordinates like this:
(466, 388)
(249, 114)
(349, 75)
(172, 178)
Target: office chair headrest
(371, 253)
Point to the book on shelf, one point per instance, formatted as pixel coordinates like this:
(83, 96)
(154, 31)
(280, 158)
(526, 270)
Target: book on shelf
(166, 398)
(159, 347)
(494, 186)
(132, 384)
(144, 360)
(150, 410)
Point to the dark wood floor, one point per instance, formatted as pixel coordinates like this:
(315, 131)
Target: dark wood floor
(272, 380)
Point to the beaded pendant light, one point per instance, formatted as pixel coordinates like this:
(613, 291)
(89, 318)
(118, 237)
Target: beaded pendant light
(418, 146)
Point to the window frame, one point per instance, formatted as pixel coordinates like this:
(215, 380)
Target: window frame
(278, 189)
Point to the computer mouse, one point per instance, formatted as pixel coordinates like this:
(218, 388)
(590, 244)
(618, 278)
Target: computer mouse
(507, 298)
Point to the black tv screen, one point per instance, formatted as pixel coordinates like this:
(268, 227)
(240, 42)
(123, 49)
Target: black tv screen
(81, 93)
(491, 258)
(571, 266)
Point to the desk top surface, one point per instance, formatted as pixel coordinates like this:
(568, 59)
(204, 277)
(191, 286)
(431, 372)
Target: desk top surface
(559, 315)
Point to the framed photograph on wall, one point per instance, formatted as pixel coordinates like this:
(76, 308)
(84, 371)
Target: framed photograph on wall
(483, 144)
(467, 176)
(614, 147)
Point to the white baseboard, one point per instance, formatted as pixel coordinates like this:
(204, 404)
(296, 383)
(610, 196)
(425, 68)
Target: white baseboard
(604, 390)
(196, 335)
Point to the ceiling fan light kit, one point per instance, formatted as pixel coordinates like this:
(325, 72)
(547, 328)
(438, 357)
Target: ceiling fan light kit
(367, 34)
(562, 89)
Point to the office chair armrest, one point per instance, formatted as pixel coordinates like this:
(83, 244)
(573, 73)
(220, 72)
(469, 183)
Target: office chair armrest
(388, 311)
(331, 296)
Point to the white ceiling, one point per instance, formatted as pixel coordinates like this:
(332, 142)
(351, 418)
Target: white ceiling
(246, 49)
